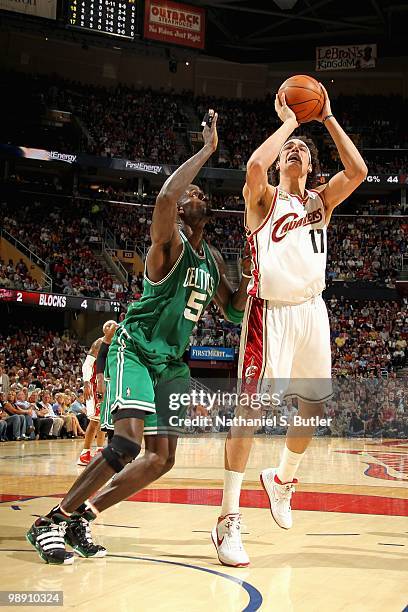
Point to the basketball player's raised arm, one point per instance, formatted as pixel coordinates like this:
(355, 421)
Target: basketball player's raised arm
(232, 303)
(164, 218)
(342, 184)
(166, 240)
(264, 156)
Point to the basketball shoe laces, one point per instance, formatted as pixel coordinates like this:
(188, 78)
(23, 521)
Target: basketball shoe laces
(283, 494)
(234, 537)
(85, 532)
(54, 538)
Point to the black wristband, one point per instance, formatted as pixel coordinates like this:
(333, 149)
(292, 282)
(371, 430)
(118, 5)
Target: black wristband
(101, 358)
(328, 117)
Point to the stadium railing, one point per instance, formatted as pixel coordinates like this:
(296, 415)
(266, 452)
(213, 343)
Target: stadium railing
(34, 259)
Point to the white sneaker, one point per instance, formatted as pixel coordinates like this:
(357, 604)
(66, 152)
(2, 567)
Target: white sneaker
(226, 537)
(279, 497)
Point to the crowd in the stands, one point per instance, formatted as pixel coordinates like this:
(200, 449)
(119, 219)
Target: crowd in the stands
(41, 388)
(359, 247)
(62, 237)
(16, 275)
(366, 248)
(369, 342)
(67, 238)
(367, 407)
(143, 125)
(367, 337)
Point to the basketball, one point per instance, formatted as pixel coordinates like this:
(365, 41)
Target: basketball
(304, 96)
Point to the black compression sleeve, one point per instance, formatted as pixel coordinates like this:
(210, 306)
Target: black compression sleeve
(101, 358)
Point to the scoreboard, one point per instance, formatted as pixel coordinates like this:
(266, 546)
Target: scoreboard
(114, 17)
(59, 302)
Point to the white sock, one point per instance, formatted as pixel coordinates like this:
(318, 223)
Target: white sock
(232, 492)
(289, 464)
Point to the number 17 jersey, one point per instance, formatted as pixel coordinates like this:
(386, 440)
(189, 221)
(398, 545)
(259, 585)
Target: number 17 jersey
(289, 250)
(161, 322)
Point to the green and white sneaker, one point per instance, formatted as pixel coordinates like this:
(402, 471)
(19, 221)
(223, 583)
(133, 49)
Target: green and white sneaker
(78, 536)
(47, 538)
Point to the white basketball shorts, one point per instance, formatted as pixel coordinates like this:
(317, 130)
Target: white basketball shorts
(286, 349)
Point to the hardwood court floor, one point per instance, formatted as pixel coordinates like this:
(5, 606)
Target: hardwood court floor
(347, 550)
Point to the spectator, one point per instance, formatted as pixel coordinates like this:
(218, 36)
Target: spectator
(3, 419)
(61, 408)
(16, 422)
(78, 408)
(46, 406)
(4, 381)
(42, 422)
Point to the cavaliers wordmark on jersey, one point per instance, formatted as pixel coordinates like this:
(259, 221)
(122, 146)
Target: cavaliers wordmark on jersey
(289, 249)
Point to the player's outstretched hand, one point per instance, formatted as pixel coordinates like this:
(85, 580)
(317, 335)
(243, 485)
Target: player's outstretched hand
(210, 134)
(326, 110)
(283, 111)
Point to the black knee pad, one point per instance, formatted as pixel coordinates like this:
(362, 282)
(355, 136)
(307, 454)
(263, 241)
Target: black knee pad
(120, 451)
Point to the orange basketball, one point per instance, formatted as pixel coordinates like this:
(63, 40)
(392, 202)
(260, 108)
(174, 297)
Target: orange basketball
(304, 96)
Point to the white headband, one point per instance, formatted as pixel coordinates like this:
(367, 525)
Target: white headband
(293, 140)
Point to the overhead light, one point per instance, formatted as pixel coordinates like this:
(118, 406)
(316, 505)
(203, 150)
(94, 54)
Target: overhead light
(285, 5)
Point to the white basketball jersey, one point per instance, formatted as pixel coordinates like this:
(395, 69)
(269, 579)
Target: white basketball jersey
(289, 250)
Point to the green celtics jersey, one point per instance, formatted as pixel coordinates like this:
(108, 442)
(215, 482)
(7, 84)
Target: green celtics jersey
(161, 322)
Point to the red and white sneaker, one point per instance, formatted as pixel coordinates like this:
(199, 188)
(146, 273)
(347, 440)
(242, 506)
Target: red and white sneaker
(97, 451)
(279, 495)
(226, 537)
(84, 458)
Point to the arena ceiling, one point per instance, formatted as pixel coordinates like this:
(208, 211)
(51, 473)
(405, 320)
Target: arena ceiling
(260, 31)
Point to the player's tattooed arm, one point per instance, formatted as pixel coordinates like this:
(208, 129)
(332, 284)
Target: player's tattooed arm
(265, 155)
(342, 184)
(226, 294)
(95, 346)
(166, 241)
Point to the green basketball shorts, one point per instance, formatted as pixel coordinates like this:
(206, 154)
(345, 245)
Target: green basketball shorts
(171, 385)
(128, 382)
(159, 390)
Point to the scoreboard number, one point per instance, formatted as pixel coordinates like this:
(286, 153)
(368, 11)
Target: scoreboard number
(56, 300)
(113, 17)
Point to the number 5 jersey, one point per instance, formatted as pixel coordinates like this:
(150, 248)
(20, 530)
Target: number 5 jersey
(161, 322)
